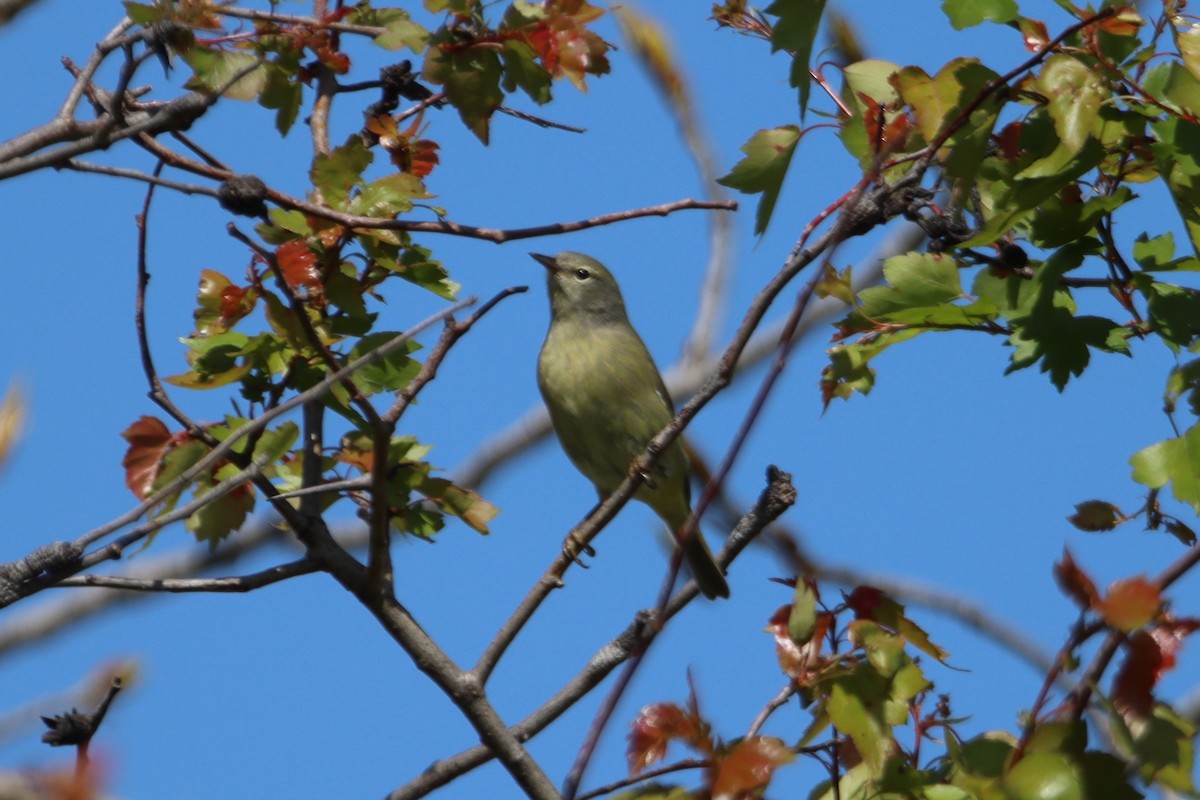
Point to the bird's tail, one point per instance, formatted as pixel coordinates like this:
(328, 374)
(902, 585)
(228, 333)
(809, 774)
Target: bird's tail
(704, 567)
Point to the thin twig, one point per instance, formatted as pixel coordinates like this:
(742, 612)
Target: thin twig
(239, 583)
(774, 704)
(650, 774)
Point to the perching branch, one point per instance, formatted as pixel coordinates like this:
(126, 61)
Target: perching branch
(776, 498)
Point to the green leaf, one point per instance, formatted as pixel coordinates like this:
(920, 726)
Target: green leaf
(1075, 94)
(285, 226)
(1174, 311)
(390, 373)
(223, 515)
(522, 70)
(870, 77)
(1183, 379)
(177, 461)
(1060, 340)
(795, 31)
(937, 100)
(388, 196)
(849, 371)
(462, 503)
(144, 14)
(1174, 461)
(1043, 776)
(1058, 223)
(802, 619)
(1104, 775)
(213, 70)
(968, 13)
(1174, 86)
(856, 702)
(399, 29)
(471, 80)
(273, 444)
(913, 280)
(416, 266)
(335, 173)
(419, 520)
(284, 94)
(768, 155)
(1188, 42)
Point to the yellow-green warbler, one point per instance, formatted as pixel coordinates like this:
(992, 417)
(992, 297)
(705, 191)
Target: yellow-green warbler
(607, 400)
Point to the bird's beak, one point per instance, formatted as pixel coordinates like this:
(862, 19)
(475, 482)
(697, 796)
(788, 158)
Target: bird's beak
(549, 262)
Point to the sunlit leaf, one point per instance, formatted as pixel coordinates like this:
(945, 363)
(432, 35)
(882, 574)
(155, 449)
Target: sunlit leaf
(1074, 582)
(148, 440)
(749, 766)
(768, 155)
(1174, 461)
(968, 13)
(1129, 604)
(235, 74)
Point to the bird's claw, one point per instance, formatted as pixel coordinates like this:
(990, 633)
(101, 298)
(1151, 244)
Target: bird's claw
(575, 549)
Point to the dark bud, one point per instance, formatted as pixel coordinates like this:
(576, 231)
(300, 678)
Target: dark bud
(243, 195)
(399, 80)
(162, 36)
(73, 727)
(1014, 257)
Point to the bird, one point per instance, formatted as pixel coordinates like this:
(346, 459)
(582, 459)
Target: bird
(607, 400)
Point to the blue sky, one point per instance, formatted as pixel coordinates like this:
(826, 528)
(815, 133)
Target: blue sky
(949, 474)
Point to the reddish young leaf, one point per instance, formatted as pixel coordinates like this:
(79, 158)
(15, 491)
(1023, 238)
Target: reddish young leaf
(653, 730)
(1133, 685)
(1009, 140)
(895, 134)
(1034, 33)
(864, 601)
(1129, 604)
(412, 155)
(566, 47)
(148, 440)
(220, 303)
(747, 769)
(299, 265)
(1125, 22)
(1074, 582)
(800, 661)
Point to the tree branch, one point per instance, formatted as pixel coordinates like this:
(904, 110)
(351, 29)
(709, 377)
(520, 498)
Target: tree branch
(776, 498)
(236, 584)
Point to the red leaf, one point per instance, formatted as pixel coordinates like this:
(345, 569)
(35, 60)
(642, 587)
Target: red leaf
(1074, 582)
(749, 766)
(299, 265)
(1009, 140)
(148, 440)
(1133, 686)
(800, 662)
(1125, 22)
(1129, 604)
(895, 133)
(1034, 32)
(653, 730)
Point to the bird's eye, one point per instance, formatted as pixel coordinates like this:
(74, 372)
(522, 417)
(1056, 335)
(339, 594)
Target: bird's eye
(582, 274)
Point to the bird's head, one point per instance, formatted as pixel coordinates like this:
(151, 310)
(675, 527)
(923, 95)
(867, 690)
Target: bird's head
(580, 286)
